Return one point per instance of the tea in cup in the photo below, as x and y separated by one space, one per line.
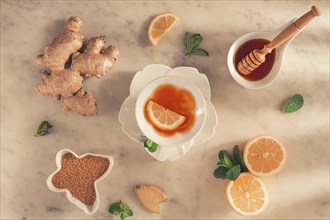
170 110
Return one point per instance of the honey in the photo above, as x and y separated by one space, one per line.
178 100
264 69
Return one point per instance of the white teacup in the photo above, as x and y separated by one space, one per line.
178 138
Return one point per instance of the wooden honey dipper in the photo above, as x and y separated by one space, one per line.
255 58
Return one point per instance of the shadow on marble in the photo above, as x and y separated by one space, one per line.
113 91
318 208
143 39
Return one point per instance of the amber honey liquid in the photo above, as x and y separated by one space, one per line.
265 68
178 100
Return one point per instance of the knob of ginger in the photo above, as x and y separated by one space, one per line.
83 103
67 83
59 50
59 83
95 61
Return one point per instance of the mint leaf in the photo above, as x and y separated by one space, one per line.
150 145
220 172
200 52
123 215
120 208
129 212
115 208
187 41
153 148
126 210
222 153
43 128
294 103
126 214
227 161
229 167
233 173
238 157
192 41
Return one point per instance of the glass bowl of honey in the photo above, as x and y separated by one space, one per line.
170 110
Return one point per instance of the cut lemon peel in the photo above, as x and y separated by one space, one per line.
160 25
163 118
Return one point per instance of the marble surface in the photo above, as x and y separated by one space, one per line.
300 191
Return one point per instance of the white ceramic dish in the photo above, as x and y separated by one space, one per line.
280 51
87 209
178 138
139 81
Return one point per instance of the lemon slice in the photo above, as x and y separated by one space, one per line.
163 118
264 156
160 25
247 195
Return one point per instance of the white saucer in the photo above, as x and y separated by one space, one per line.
140 80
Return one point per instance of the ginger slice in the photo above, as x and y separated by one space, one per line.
150 196
159 193
147 198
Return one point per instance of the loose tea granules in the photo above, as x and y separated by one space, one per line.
79 174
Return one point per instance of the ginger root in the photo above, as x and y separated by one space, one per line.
64 83
67 83
95 61
83 103
59 50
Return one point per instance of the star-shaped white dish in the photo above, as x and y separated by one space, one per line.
140 80
87 209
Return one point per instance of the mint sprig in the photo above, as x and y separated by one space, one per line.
294 103
238 157
150 145
121 209
192 41
230 167
43 128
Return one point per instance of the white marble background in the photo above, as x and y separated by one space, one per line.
300 191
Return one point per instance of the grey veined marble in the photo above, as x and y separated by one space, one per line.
300 191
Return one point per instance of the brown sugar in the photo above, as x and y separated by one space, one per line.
79 174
